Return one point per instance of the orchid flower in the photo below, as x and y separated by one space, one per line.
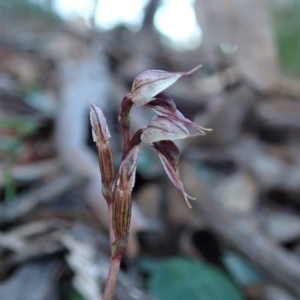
168 125
150 83
159 134
164 106
169 156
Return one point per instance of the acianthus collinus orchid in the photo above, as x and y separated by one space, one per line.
168 125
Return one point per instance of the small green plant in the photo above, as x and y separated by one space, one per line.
286 21
12 133
168 125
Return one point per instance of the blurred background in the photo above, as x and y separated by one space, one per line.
241 239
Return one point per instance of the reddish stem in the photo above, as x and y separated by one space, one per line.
112 277
111 231
126 136
116 257
125 121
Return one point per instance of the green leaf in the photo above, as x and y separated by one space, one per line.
9 145
286 22
183 278
10 188
74 295
24 126
242 271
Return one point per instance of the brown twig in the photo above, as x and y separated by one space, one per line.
44 193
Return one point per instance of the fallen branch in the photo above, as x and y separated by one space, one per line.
45 193
243 234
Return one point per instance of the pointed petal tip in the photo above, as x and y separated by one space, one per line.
191 197
94 110
206 129
99 126
187 202
93 107
193 70
186 197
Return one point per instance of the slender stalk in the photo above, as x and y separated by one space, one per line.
116 257
115 260
111 282
125 122
111 232
126 135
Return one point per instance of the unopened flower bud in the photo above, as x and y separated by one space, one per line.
100 136
100 129
121 213
150 83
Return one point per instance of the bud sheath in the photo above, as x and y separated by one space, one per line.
106 161
121 213
101 135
